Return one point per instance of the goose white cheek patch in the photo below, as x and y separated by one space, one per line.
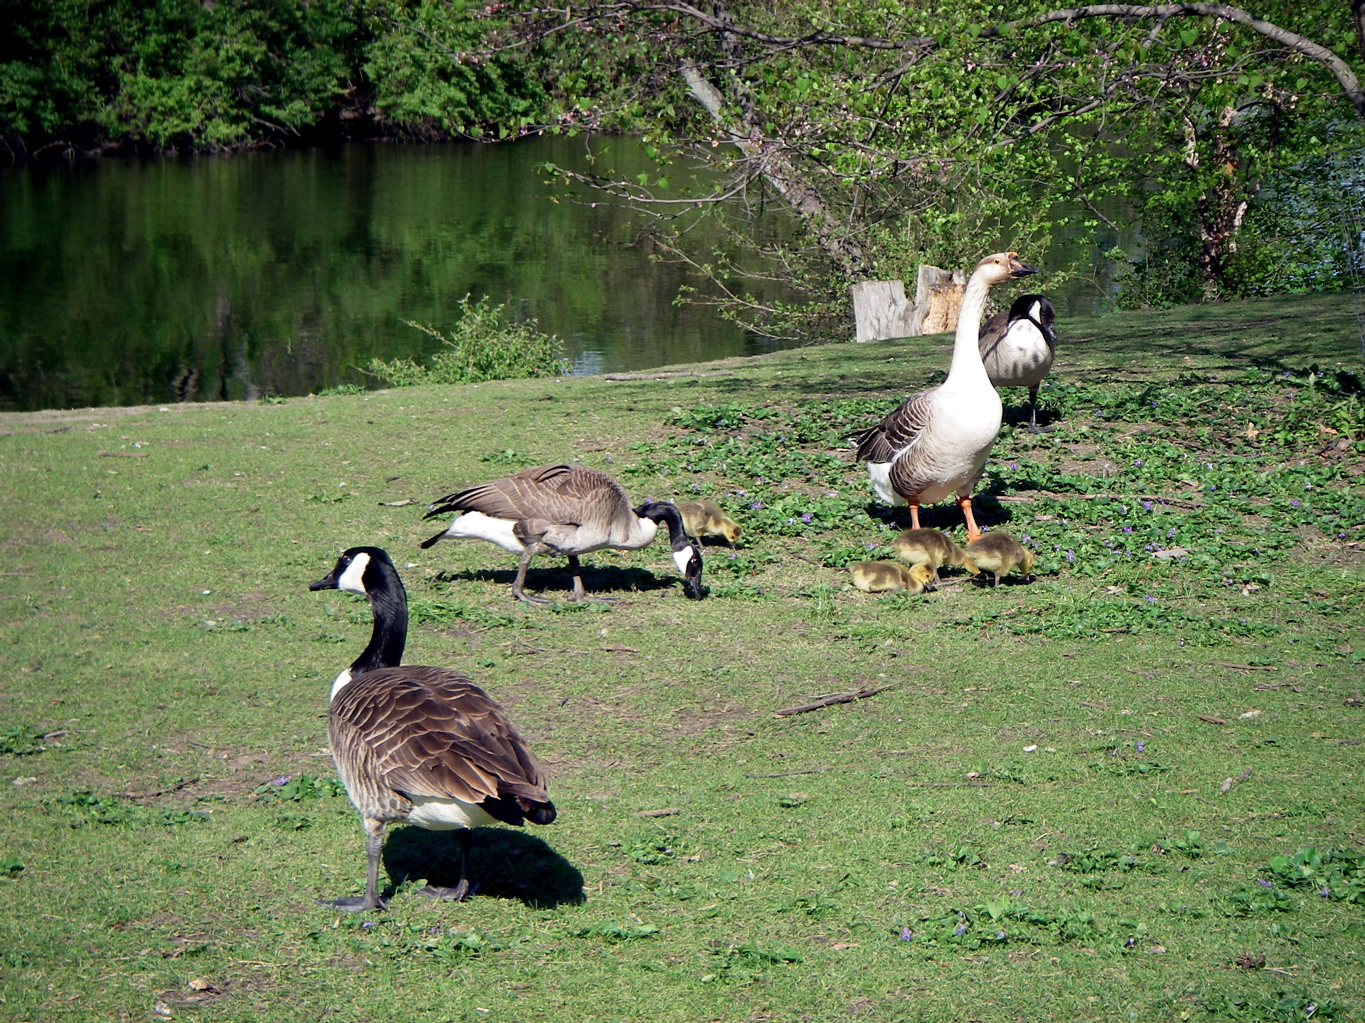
353 579
682 559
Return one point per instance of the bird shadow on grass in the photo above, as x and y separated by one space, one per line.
503 864
945 516
597 580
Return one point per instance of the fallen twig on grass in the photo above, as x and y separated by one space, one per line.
788 774
1211 719
665 376
667 811
1243 667
826 701
159 792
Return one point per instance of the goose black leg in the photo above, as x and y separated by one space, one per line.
1033 426
374 845
461 891
579 593
532 549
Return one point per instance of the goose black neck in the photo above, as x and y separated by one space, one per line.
662 511
389 606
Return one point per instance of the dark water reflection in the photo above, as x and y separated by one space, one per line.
229 278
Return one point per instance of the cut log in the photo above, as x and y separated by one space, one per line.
881 311
938 297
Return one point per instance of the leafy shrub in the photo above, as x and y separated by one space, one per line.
482 346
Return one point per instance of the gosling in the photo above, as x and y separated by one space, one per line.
928 547
704 518
888 577
999 554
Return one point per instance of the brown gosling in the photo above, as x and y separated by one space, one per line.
704 518
888 577
999 554
928 547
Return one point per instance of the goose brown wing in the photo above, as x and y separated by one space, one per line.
563 494
433 732
992 333
897 431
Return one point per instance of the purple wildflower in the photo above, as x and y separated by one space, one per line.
1264 883
1000 935
1137 461
1151 599
1307 486
906 934
806 517
1014 465
1295 503
367 925
1142 747
1127 529
1146 505
757 505
960 929
1170 533
1326 892
1070 556
282 779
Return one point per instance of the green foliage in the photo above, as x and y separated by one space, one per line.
86 807
305 786
1337 874
21 740
1279 1006
482 346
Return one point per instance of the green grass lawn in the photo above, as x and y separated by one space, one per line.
1084 797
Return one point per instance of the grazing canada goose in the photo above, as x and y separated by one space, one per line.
564 509
887 576
704 518
424 745
1017 348
928 547
936 443
998 553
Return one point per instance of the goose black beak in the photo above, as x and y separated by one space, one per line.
327 583
1018 269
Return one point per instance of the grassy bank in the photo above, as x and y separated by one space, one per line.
1069 804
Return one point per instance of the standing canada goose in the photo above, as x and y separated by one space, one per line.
887 577
928 547
424 745
998 553
936 443
564 509
704 518
1017 348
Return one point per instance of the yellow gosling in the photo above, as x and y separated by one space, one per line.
999 554
928 547
888 577
704 518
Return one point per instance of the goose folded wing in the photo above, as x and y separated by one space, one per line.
897 431
436 733
513 497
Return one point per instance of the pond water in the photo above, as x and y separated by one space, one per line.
130 282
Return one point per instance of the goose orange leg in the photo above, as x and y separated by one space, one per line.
964 501
914 514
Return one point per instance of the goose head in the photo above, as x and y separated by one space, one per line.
369 572
686 552
1001 267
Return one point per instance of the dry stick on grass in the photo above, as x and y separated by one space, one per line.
1174 502
788 774
1243 667
826 701
159 792
667 811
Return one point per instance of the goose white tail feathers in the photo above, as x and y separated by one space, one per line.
568 510
936 443
420 744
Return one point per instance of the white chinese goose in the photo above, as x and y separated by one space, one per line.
568 510
936 443
416 744
1017 348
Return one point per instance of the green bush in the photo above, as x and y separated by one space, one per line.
481 346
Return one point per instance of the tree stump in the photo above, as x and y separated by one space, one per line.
881 310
